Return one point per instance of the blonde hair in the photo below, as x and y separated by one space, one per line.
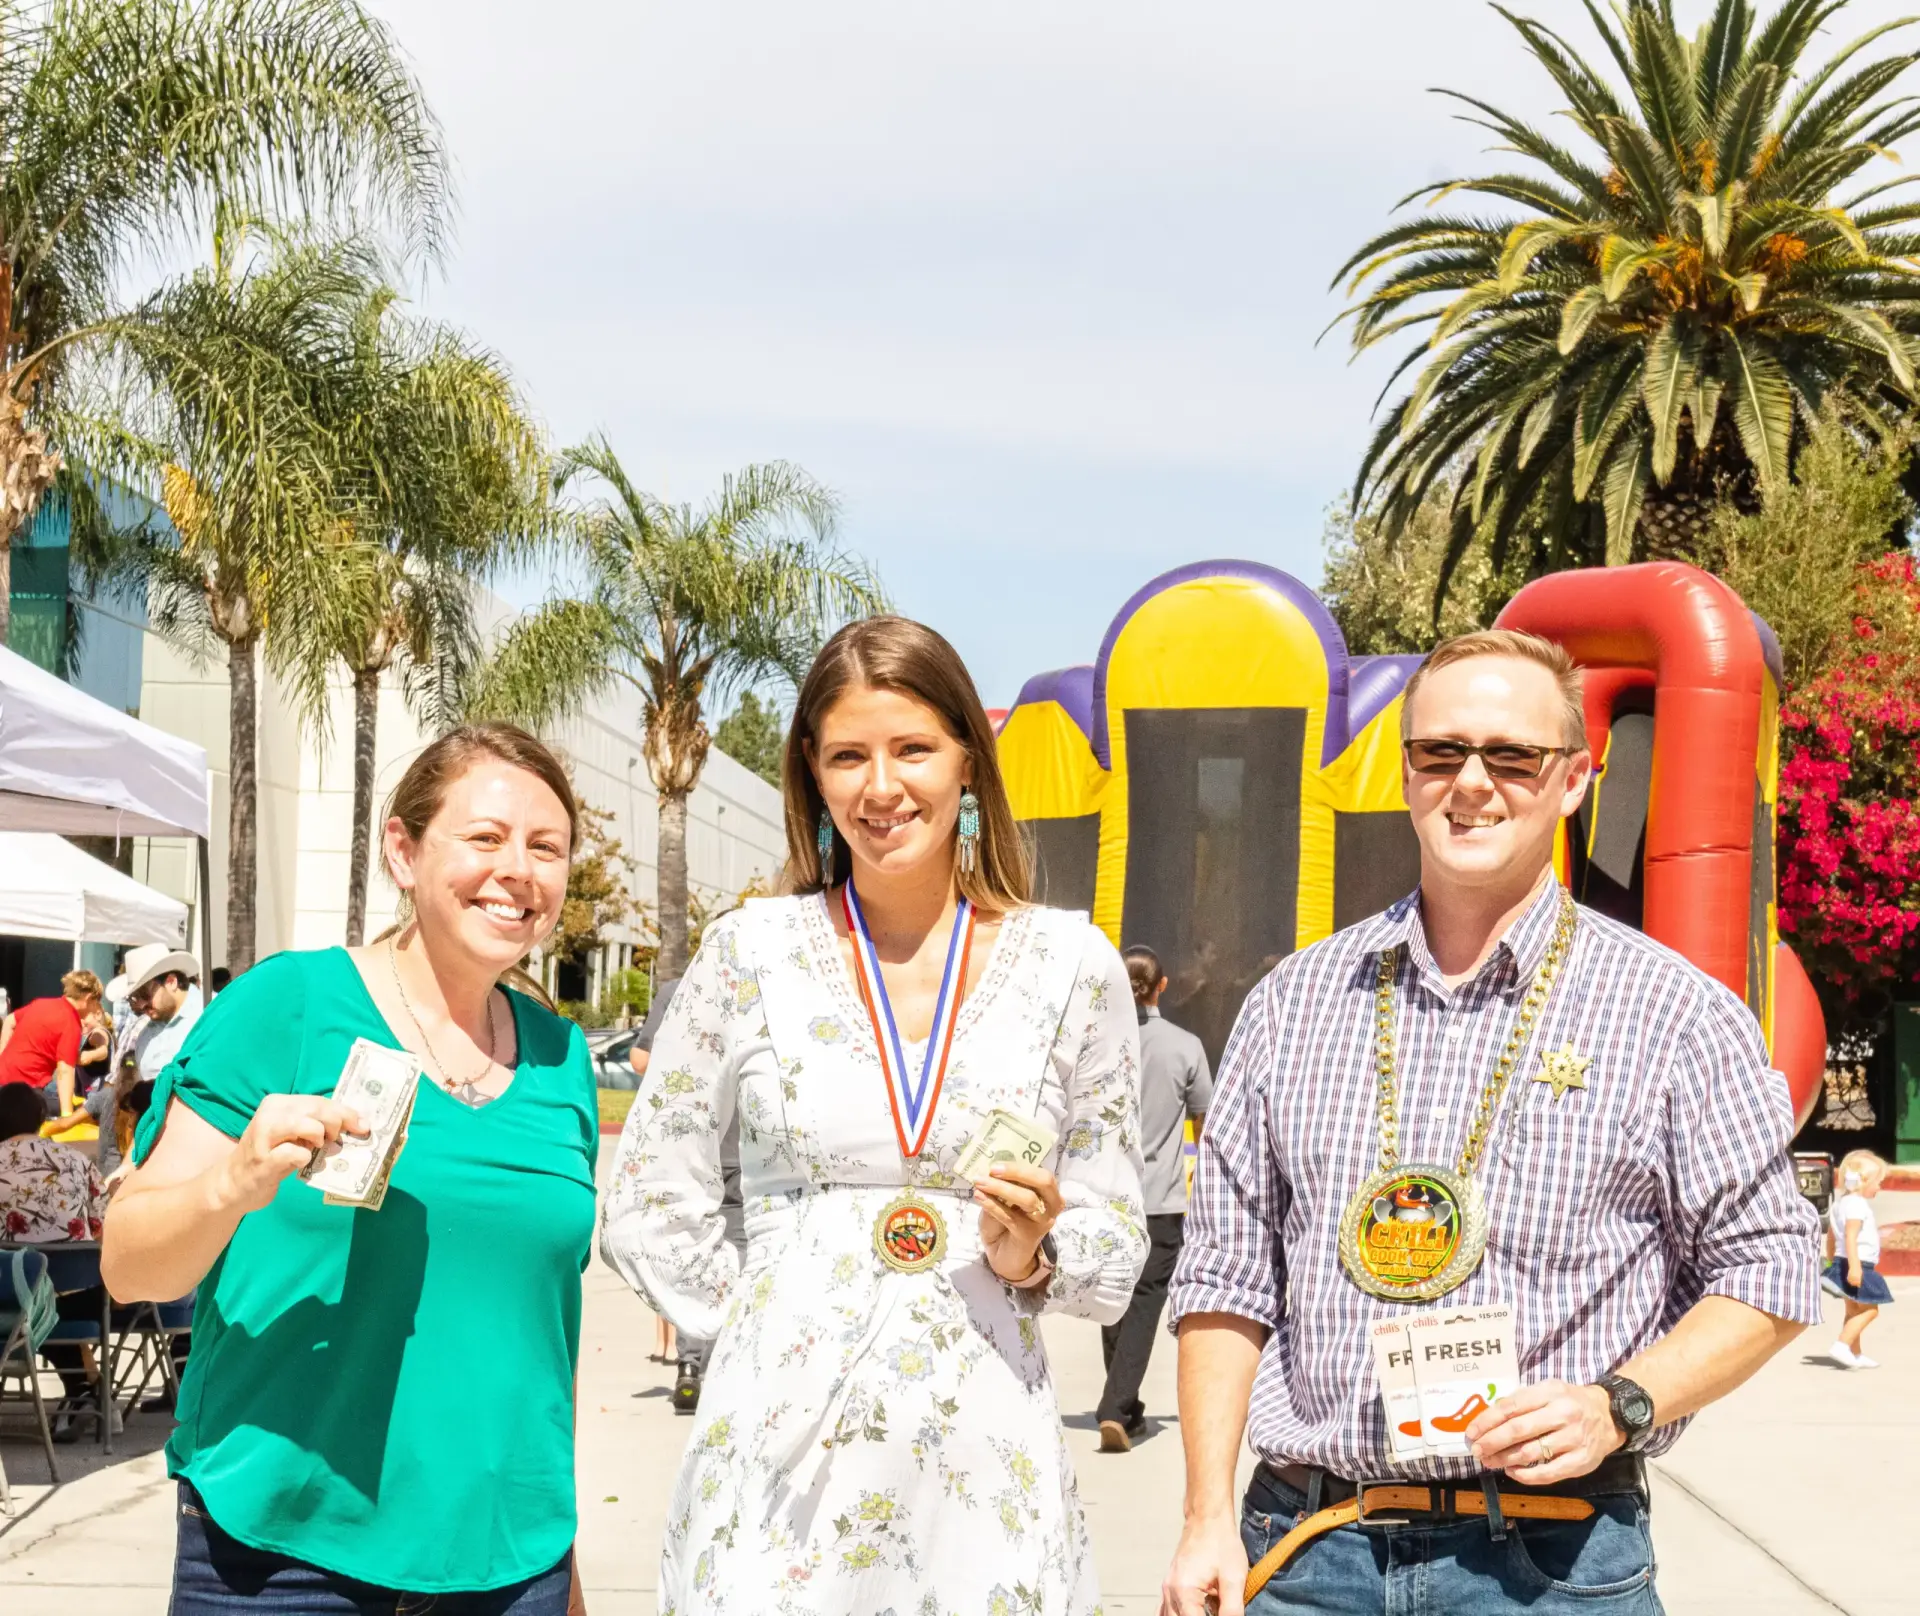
896 653
1512 642
1870 1168
81 985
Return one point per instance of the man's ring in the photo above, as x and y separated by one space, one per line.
1546 1451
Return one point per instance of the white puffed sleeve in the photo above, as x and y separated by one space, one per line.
662 1228
1102 1235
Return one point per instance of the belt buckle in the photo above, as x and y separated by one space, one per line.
1390 1518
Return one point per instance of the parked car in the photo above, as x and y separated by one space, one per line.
611 1069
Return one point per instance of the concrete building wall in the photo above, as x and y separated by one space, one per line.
734 833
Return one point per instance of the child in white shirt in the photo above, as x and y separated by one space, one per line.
1853 1243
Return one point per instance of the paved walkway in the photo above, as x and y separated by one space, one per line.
1792 1498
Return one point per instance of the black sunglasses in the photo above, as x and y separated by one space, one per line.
1503 760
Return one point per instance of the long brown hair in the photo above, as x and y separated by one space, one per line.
423 789
896 653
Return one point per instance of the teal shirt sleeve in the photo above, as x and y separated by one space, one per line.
244 1048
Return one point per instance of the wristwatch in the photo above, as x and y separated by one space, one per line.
1632 1410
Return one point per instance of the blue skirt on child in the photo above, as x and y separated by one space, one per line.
1872 1291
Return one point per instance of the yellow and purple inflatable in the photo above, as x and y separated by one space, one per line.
1223 781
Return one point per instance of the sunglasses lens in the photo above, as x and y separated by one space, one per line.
1437 757
1514 762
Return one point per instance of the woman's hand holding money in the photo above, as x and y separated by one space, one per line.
1018 1205
287 1132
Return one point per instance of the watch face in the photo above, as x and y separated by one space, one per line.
1636 1409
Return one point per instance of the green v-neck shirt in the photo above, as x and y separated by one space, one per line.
389 1395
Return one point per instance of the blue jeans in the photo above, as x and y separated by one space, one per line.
216 1575
1597 1567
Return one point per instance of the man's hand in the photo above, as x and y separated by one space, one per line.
1209 1570
1546 1433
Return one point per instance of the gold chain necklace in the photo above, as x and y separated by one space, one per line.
467 1090
1413 1233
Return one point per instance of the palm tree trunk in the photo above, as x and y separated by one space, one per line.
366 718
673 886
243 799
27 470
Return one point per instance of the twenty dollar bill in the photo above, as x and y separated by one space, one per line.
1003 1137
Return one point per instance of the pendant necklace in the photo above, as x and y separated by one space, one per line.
466 1090
1413 1233
910 1235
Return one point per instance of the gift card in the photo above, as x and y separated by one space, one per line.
1399 1395
1463 1360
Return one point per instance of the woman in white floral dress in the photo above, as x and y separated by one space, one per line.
869 1440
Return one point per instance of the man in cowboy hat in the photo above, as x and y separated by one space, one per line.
163 985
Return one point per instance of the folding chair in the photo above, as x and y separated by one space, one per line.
75 1266
26 1319
143 1337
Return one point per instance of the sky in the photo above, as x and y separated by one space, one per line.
1038 290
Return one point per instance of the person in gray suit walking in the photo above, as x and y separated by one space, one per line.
1175 1084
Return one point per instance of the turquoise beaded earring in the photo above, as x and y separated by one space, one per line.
969 832
823 839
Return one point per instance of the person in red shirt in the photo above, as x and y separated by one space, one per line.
40 1042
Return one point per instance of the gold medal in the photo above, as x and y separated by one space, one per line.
910 1236
1413 1233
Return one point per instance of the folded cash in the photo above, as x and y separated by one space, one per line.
378 1084
1003 1137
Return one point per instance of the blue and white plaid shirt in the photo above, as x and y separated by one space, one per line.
1612 1208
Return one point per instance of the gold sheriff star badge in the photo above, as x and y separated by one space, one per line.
1564 1070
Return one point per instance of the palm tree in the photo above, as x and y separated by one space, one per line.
219 378
1678 296
682 604
442 467
122 121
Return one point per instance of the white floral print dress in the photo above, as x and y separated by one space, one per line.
872 1443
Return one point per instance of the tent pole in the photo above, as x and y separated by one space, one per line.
206 918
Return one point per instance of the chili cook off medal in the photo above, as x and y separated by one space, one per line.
910 1236
1414 1232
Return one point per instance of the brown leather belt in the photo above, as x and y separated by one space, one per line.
1387 1503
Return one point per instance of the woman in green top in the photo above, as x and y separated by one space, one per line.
378 1413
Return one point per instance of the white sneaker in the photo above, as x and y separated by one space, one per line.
1841 1354
1862 1361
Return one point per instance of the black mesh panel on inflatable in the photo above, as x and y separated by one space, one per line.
1066 858
1213 852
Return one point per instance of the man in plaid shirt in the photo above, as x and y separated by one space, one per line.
1644 1221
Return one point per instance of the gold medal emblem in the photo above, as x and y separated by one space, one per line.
910 1236
1413 1233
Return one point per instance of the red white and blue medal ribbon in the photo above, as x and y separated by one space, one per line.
912 1101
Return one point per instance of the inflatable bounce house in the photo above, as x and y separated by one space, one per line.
1223 782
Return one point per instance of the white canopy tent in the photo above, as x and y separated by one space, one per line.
71 764
49 888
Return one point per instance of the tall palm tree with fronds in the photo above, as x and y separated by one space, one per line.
683 604
215 396
1655 312
444 472
124 122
